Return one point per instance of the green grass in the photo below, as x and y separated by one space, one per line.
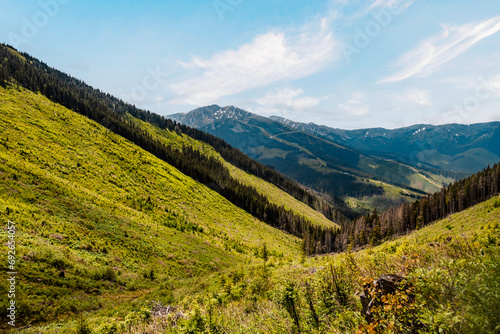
393 196
453 288
120 223
126 228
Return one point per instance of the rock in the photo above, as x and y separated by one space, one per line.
388 283
57 236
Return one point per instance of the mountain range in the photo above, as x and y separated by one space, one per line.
460 148
370 164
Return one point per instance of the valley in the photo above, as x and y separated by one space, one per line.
129 222
328 166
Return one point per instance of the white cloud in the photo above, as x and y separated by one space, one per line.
392 7
437 50
289 98
354 106
268 58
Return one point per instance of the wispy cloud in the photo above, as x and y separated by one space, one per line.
268 58
436 51
355 105
494 87
395 5
391 7
289 98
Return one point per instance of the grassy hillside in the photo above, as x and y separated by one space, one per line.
450 271
273 193
393 196
111 113
100 221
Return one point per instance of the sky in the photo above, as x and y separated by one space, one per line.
345 64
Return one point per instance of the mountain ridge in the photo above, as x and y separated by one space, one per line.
421 144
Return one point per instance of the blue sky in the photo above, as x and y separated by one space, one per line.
346 64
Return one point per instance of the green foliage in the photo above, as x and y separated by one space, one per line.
194 324
109 274
450 285
82 326
289 299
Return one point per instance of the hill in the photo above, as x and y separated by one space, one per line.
117 116
449 273
274 193
129 211
98 218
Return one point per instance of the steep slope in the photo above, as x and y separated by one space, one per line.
317 162
99 220
463 149
275 194
374 228
114 114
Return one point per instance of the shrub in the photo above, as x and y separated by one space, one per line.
195 323
82 326
109 274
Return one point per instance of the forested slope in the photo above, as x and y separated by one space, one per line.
23 70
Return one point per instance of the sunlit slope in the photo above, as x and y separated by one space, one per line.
96 215
451 266
272 192
479 220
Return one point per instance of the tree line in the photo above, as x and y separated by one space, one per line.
373 228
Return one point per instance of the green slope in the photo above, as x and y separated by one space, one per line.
272 192
393 196
452 268
100 221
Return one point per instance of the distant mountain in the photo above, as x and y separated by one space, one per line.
463 149
319 162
